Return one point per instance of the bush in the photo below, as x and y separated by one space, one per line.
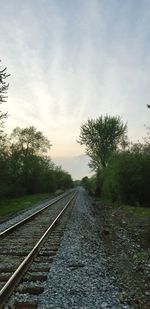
127 178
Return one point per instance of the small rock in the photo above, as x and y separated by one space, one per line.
122 297
105 232
104 305
136 301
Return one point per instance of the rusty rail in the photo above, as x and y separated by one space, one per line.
11 284
8 230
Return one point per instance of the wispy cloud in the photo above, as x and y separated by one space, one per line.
73 60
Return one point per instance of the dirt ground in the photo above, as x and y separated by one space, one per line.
126 242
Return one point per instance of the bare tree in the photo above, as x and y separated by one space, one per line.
3 90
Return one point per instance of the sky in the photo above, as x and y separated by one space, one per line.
74 60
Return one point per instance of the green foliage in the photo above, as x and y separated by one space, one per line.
63 179
102 137
127 178
141 256
136 212
4 178
25 169
77 183
125 174
85 182
29 141
89 184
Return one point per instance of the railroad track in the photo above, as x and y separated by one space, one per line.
27 250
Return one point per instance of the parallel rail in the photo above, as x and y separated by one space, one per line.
21 222
11 284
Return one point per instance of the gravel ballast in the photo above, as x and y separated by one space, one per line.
78 277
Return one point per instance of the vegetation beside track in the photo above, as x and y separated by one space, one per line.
125 233
134 219
12 205
136 212
122 177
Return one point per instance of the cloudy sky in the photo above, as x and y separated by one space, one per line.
71 60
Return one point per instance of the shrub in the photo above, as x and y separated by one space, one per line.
127 178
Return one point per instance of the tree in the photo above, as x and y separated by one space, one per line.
29 141
63 179
102 137
3 90
86 183
3 136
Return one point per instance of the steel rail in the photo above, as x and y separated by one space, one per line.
8 230
10 285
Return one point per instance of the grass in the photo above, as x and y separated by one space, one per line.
13 205
134 219
141 256
136 212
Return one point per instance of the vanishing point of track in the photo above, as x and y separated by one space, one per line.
28 248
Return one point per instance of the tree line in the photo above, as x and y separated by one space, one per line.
25 167
122 169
